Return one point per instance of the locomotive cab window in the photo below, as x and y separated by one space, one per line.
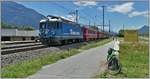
42 25
54 25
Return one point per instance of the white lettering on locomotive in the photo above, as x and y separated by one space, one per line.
74 33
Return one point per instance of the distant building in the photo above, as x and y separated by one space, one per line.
18 35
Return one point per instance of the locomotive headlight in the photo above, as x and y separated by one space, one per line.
53 33
46 31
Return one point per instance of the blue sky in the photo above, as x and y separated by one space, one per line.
132 14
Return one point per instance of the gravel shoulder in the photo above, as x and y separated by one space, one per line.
83 65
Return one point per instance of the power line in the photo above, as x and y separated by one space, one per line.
76 12
62 6
86 14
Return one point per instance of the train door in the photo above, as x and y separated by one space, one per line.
42 29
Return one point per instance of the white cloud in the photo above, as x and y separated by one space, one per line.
85 3
100 8
123 8
137 13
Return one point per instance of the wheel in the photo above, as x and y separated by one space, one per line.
114 66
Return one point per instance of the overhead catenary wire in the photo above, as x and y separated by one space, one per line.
84 17
71 11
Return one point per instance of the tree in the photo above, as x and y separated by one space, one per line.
121 33
27 28
6 26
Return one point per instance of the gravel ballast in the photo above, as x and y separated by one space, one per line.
14 58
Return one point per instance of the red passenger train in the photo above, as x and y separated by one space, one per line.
90 34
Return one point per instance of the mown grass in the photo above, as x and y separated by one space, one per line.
30 67
134 58
26 68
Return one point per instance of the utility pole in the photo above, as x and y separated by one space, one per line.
89 22
123 29
94 21
109 26
103 18
76 16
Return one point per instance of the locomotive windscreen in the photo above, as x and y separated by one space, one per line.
54 25
42 25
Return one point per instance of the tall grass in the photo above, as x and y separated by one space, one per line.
134 58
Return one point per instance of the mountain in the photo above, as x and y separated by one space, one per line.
17 14
143 30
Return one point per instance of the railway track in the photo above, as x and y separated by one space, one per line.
19 45
10 48
16 42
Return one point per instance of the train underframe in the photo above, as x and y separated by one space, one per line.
63 41
51 41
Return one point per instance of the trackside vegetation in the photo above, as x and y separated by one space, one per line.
13 26
134 58
30 67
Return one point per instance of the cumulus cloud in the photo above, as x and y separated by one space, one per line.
137 13
123 8
99 8
85 3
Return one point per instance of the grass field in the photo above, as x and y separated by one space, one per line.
134 58
27 68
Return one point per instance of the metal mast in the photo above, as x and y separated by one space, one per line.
103 18
109 26
77 16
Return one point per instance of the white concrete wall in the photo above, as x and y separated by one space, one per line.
15 32
8 32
